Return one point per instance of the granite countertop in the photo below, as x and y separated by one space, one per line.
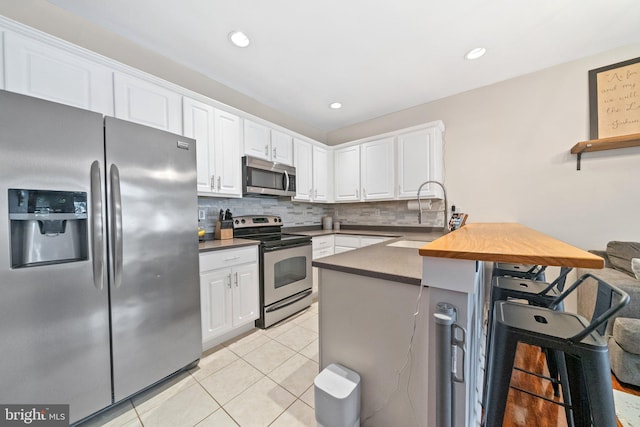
509 242
380 261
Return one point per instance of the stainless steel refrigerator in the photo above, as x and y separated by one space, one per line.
99 287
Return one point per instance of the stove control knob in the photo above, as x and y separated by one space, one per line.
243 221
237 222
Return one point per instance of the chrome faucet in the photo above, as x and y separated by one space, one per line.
444 191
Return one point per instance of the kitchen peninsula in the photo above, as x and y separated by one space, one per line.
383 328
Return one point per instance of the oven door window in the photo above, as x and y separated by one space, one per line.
290 270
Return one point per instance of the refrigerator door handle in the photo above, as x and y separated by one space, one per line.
97 246
116 226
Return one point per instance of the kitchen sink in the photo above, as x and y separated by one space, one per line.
412 244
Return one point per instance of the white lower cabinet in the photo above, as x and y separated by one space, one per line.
322 246
229 294
349 242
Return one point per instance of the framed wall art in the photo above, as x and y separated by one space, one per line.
614 99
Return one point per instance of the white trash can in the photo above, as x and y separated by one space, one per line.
337 397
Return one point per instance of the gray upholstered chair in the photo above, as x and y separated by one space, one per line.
623 329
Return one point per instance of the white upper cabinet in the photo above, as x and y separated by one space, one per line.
322 176
147 103
43 71
217 135
281 147
420 158
1 59
257 140
312 171
346 163
303 161
377 169
199 125
265 143
228 161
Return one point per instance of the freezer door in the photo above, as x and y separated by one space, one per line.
155 296
54 320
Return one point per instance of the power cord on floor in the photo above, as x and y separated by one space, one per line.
406 362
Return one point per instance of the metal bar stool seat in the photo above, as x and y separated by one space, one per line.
523 271
590 394
535 292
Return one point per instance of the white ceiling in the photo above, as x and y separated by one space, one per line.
376 57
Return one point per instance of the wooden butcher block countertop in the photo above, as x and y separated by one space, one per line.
509 242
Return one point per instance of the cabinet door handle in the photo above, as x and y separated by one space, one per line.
357 194
364 193
316 194
229 280
275 152
236 281
231 259
219 185
213 182
266 150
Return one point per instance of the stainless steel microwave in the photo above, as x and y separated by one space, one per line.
262 177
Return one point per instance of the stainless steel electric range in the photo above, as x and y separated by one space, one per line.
285 267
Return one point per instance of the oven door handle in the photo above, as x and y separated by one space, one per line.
288 301
283 247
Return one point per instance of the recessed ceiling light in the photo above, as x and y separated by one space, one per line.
239 38
335 105
475 53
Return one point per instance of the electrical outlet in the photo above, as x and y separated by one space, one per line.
202 214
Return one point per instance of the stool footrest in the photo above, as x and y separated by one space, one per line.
544 377
563 404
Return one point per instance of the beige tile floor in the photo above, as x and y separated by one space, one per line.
264 378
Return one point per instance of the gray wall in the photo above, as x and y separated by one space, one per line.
507 155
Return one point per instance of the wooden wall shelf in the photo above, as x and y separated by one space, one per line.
610 143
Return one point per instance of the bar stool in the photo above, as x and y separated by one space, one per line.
534 292
590 395
523 271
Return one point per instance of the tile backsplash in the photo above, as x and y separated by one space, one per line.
394 213
293 214
296 214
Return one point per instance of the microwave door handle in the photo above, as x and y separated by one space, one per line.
116 226
97 243
286 180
